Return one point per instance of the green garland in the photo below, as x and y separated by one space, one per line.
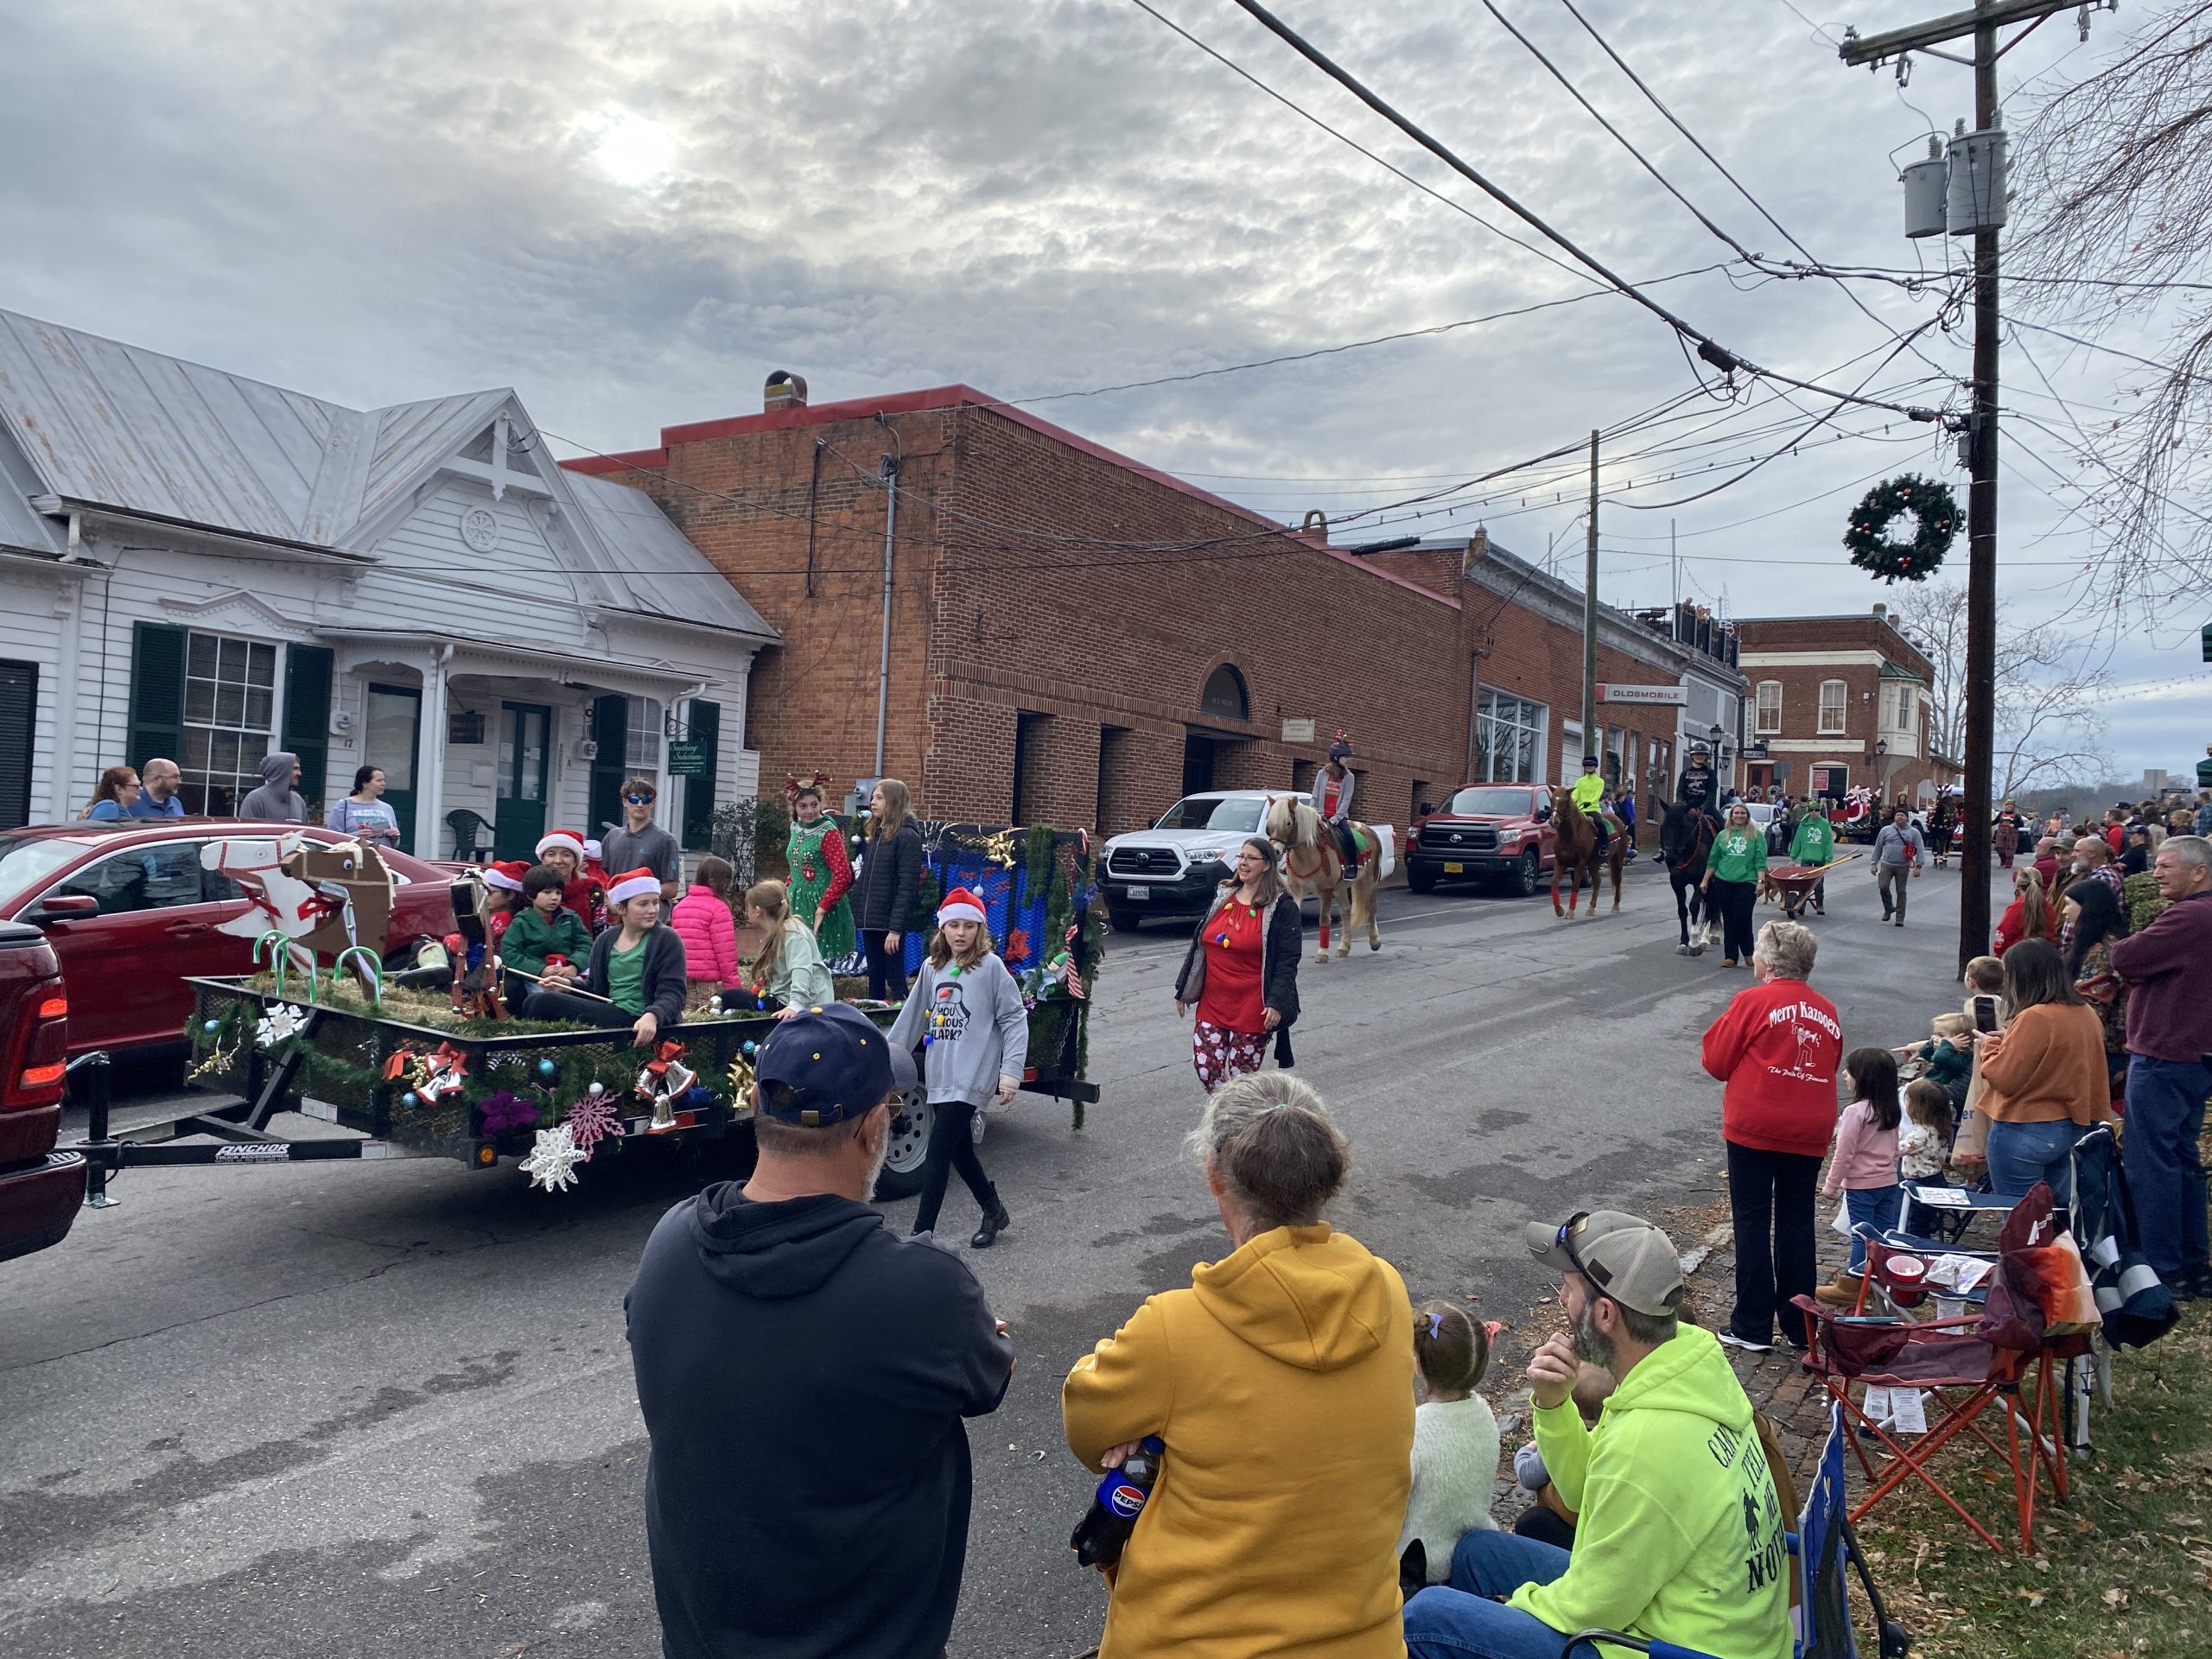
1934 508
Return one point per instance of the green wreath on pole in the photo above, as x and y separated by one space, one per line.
1934 510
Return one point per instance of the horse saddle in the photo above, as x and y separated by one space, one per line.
1363 843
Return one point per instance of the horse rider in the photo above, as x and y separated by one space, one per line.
1588 796
1332 799
1701 788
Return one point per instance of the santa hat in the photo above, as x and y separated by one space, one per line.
594 851
506 875
961 906
561 841
633 884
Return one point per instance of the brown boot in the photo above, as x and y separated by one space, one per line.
1841 1292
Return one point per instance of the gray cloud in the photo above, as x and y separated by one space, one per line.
380 201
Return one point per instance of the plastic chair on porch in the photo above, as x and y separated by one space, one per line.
1822 1544
472 836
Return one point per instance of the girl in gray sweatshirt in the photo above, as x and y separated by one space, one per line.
967 1012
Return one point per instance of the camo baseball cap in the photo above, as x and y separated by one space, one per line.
1625 1256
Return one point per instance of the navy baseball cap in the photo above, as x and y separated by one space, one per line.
838 1063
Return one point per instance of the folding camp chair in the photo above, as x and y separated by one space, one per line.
1966 1364
1821 1544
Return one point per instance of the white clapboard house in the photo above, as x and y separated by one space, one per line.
198 566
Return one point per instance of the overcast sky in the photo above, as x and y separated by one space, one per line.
632 214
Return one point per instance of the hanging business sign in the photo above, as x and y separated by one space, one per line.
687 757
1654 696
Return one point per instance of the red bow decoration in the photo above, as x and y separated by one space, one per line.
667 1052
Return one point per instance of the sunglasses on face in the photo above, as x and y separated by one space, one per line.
639 800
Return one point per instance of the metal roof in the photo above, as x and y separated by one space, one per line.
116 426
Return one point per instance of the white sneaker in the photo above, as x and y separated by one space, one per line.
1730 1339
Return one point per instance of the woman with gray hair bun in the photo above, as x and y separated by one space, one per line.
1776 1046
1281 1385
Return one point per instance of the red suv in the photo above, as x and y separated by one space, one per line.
129 912
1486 832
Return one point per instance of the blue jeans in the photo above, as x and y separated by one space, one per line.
2165 1114
1461 1621
2020 1154
1870 1206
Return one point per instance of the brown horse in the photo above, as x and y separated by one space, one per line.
1312 864
1577 853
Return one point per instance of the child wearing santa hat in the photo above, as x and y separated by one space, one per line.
567 851
637 965
968 1013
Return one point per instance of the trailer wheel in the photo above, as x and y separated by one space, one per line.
909 1146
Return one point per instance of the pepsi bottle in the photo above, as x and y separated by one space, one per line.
1099 1536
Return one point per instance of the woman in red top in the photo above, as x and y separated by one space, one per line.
1776 1046
2029 915
1241 971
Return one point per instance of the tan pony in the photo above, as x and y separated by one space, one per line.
1576 854
1312 864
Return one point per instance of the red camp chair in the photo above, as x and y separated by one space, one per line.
1966 1365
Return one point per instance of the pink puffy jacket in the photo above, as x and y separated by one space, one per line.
703 922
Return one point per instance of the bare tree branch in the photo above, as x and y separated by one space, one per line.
2114 179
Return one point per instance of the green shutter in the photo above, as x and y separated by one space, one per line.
610 729
307 717
156 693
706 728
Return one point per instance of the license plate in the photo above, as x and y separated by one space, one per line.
1455 869
1139 892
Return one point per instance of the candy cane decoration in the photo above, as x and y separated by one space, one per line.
370 969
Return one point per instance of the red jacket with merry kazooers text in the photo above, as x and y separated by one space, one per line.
1777 1046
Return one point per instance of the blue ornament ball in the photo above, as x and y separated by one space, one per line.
410 1099
751 1049
546 1068
212 1027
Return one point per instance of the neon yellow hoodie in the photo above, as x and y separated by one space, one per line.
1681 1534
1589 788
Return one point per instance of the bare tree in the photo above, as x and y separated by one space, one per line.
2049 732
2115 196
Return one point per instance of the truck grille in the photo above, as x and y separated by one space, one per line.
1143 860
1474 838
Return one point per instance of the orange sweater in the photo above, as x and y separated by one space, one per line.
2048 1065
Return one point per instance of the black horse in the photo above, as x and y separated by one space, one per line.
1685 837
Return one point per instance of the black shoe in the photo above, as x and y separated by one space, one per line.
994 1218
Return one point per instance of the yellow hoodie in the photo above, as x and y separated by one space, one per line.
1282 1384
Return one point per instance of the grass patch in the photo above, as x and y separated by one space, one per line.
2123 1568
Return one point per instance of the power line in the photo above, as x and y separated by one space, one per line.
1708 349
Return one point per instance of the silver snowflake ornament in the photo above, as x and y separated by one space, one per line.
278 1024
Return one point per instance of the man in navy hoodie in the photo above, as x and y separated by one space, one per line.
803 1371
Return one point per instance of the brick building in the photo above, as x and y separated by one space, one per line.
1075 638
1841 702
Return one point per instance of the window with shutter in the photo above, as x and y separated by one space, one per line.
706 727
18 735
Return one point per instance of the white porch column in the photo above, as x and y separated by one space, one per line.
430 759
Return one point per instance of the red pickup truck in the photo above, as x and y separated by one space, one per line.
1486 832
39 1188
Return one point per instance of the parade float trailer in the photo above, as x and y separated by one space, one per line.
413 1071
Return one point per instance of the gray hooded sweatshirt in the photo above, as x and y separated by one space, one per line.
275 800
978 1028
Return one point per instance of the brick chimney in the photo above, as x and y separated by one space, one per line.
783 390
1881 610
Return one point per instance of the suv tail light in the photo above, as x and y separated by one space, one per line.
38 1049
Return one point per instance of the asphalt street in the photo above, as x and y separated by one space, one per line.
324 1409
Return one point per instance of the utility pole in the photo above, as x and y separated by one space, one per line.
1982 23
1590 735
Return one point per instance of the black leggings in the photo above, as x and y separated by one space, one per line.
952 1145
886 968
585 1010
1733 901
